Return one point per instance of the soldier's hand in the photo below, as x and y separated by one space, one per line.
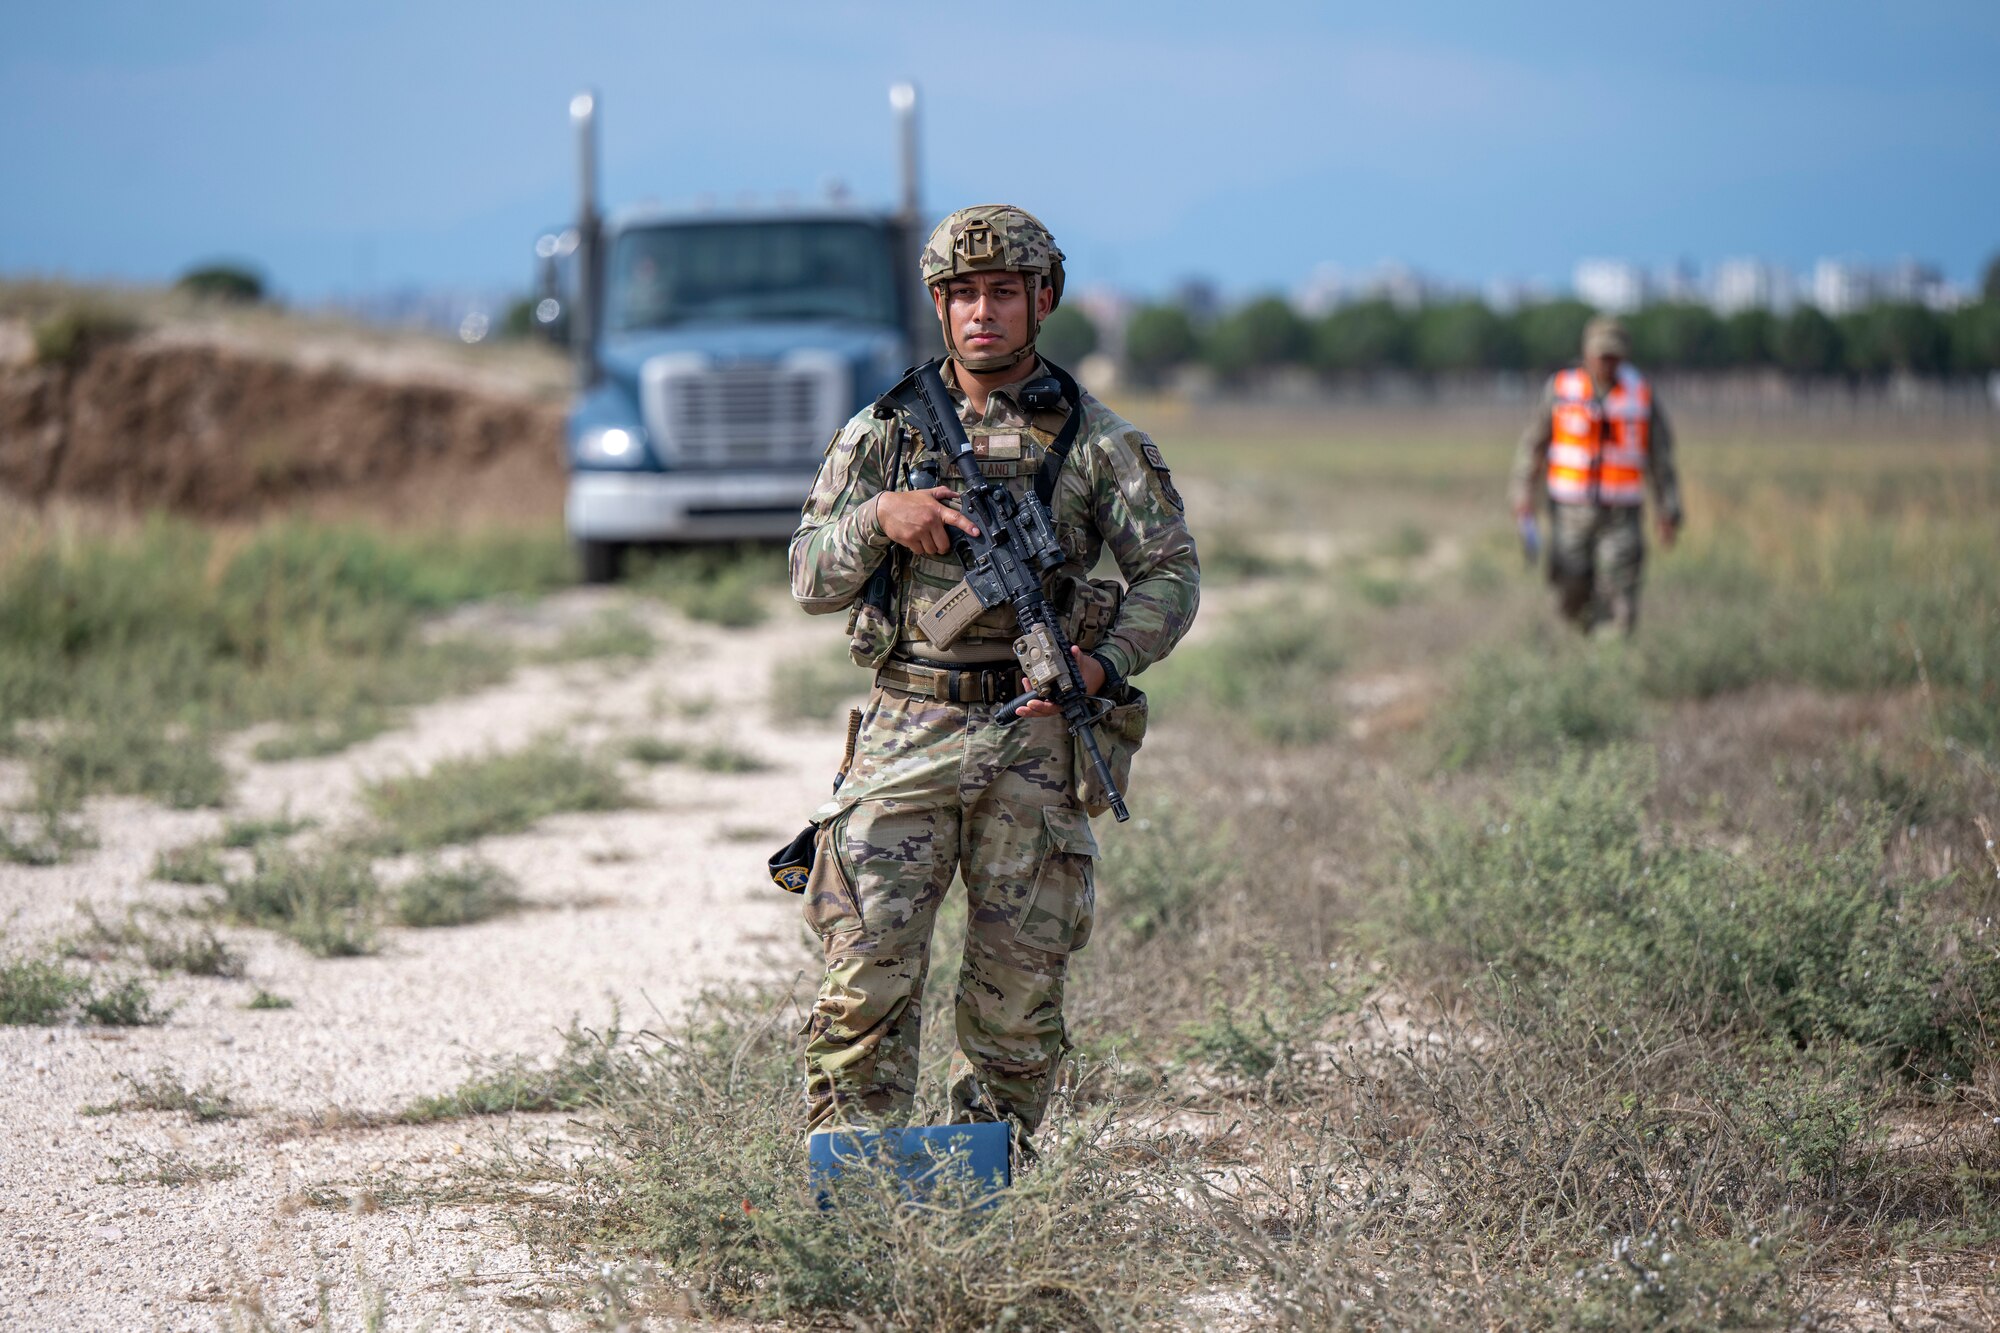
1093 681
917 519
1670 531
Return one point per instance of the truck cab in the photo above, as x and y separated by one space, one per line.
716 355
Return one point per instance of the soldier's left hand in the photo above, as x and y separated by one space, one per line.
1093 681
1670 530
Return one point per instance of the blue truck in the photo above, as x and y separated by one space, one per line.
717 353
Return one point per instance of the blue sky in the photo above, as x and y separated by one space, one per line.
382 143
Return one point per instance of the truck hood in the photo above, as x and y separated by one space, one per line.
859 344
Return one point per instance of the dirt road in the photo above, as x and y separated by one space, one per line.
631 913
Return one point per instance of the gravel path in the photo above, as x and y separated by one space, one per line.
631 912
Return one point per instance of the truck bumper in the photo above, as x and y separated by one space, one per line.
685 506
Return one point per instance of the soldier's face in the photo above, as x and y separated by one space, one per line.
988 312
1604 367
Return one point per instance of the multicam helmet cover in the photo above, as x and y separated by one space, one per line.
994 238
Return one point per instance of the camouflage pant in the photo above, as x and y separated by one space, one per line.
937 789
1597 554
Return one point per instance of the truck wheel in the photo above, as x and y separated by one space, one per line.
602 562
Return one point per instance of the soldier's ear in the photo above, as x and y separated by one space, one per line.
1045 301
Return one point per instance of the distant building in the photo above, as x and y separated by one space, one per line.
1917 283
1676 282
1749 284
1610 284
1400 285
1324 291
1840 287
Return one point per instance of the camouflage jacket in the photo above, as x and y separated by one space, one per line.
1115 490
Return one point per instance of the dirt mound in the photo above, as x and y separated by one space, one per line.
219 432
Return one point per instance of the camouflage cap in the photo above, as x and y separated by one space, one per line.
989 238
1606 336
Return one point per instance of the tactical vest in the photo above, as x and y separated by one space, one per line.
1011 455
1597 448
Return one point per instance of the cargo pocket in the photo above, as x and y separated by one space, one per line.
831 907
1120 733
1064 902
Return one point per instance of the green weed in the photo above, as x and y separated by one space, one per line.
1569 890
35 993
197 954
577 1078
702 1169
1158 872
247 833
455 895
722 586
165 1091
171 1168
461 800
194 863
126 1004
1514 705
326 901
54 838
264 999
612 633
1274 671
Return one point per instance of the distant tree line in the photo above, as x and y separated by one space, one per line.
1457 337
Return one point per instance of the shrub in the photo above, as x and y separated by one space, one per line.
455 895
1274 671
36 993
577 1078
325 900
702 1169
460 800
1568 890
1520 703
74 332
233 283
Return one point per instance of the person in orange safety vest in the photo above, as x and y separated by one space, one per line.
1599 442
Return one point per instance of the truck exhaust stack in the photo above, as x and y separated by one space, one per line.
589 229
903 98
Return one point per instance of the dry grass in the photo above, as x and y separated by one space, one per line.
1659 1004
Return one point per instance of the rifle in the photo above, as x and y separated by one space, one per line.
1006 562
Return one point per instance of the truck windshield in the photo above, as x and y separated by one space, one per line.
690 271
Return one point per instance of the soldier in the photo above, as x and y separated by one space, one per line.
1598 441
937 785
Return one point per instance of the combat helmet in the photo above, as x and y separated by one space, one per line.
994 238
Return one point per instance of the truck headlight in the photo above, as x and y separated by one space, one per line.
609 446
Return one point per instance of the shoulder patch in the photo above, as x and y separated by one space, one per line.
1151 453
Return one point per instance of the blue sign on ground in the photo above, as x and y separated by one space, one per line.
925 1156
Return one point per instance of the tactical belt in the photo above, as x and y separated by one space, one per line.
959 685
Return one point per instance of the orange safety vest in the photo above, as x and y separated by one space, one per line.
1597 448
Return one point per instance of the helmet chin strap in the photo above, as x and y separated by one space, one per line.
986 365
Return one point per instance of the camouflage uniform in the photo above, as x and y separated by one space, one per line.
1597 552
939 787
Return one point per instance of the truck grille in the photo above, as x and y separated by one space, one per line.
751 415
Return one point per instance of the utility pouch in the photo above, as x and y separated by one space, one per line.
1089 606
871 633
1120 733
791 866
